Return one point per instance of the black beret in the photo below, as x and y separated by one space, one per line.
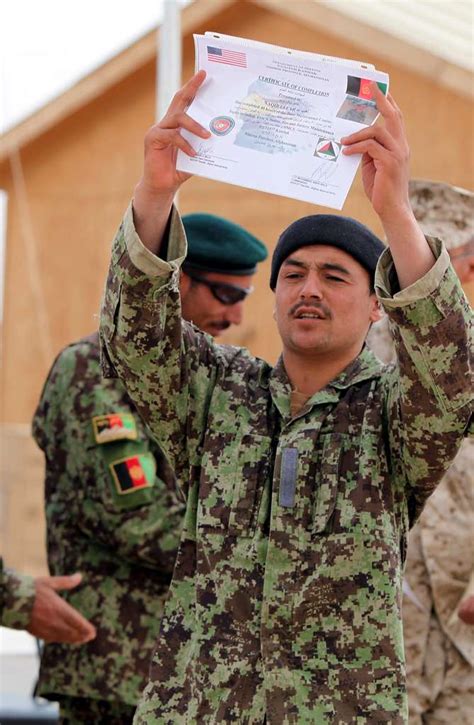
336 231
219 245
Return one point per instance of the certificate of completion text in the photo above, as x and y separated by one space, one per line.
276 118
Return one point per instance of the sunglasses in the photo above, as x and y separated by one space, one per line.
227 294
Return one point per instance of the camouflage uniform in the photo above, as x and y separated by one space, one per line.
439 648
17 596
285 600
112 518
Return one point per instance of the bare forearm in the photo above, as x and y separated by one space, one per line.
411 253
151 213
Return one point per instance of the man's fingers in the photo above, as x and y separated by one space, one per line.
183 98
173 138
369 146
69 623
378 133
182 120
390 112
75 622
61 582
393 103
53 619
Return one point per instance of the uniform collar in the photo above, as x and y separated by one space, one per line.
363 367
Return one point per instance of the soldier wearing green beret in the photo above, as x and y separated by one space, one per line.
302 478
111 505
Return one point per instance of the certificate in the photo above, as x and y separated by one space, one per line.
276 117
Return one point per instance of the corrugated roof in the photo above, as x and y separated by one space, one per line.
442 27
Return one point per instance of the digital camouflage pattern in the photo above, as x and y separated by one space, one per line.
285 600
439 648
17 596
84 711
121 537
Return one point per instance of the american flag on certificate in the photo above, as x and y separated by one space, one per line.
228 57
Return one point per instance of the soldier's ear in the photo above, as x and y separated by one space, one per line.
377 311
185 283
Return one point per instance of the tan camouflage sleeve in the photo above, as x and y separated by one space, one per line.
416 609
429 393
141 324
17 596
469 591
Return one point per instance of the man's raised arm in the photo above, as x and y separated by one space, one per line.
385 174
429 398
160 181
141 328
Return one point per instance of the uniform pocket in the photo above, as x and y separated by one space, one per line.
253 461
328 458
232 479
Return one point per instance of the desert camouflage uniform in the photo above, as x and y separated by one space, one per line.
439 648
121 536
17 596
285 600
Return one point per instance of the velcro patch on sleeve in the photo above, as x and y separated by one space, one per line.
134 473
114 427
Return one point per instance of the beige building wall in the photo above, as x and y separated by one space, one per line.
78 179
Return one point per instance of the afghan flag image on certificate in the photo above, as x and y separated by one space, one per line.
359 104
362 87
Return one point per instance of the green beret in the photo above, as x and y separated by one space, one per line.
219 245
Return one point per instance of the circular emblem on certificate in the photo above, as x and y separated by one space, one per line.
327 149
222 125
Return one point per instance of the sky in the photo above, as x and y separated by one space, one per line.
46 45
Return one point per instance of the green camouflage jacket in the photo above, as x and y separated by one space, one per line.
17 596
285 600
108 516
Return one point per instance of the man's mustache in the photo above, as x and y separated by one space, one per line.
320 307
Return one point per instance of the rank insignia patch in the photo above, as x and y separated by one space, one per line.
114 427
134 473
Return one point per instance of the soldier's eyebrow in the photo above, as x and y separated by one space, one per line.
292 262
335 268
327 266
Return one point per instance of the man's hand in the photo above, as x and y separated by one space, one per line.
53 619
385 160
466 610
385 174
160 181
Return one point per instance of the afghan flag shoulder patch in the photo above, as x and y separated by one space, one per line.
114 427
134 473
